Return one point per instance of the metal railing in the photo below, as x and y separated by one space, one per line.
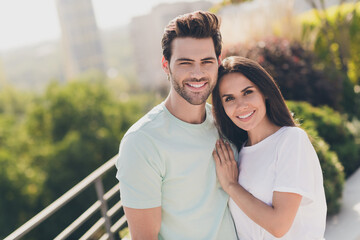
101 204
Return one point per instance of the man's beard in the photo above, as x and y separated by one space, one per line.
194 98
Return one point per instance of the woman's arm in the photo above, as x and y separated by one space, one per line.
276 219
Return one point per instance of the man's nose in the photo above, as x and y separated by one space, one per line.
197 71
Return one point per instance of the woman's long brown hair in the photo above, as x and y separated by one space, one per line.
276 108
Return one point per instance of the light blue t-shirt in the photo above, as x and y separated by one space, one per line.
166 162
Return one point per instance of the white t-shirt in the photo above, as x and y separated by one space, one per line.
285 162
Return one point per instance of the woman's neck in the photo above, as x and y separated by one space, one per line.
262 131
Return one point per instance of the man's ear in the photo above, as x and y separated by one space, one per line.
165 65
219 60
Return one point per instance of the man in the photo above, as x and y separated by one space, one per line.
167 175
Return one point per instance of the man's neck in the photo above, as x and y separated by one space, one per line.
181 109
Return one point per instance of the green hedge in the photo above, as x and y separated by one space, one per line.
333 173
333 128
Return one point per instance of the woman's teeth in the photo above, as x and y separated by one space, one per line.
246 116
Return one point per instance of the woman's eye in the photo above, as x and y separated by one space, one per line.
247 92
227 99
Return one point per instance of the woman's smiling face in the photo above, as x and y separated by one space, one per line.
243 102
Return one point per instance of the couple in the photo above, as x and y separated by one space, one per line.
176 173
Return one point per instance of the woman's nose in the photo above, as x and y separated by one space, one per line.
241 104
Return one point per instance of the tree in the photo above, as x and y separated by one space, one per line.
50 143
333 34
20 181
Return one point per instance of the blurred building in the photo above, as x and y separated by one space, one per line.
146 34
256 20
81 41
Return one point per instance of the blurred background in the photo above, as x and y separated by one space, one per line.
76 74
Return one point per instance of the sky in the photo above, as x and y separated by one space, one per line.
24 22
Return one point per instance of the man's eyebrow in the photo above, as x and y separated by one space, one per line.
192 60
208 58
184 59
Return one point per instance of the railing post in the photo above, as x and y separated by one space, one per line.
104 208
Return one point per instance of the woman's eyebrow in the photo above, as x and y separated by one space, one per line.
226 95
229 95
246 88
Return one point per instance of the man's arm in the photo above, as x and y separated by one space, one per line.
144 224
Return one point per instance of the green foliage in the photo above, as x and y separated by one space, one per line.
320 132
293 68
13 102
20 182
49 143
333 174
333 34
79 127
125 233
333 128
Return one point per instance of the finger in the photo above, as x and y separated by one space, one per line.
225 150
220 152
230 150
216 158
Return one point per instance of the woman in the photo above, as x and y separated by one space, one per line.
277 189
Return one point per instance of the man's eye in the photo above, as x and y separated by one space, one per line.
208 62
184 63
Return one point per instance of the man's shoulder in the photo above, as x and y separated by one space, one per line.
150 121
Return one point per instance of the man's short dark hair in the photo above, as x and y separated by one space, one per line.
197 24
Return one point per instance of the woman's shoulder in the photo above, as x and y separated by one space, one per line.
294 139
292 132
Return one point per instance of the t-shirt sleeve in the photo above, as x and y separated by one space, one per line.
139 171
297 165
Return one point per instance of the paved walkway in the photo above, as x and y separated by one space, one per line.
346 224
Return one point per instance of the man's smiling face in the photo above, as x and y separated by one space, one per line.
193 68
